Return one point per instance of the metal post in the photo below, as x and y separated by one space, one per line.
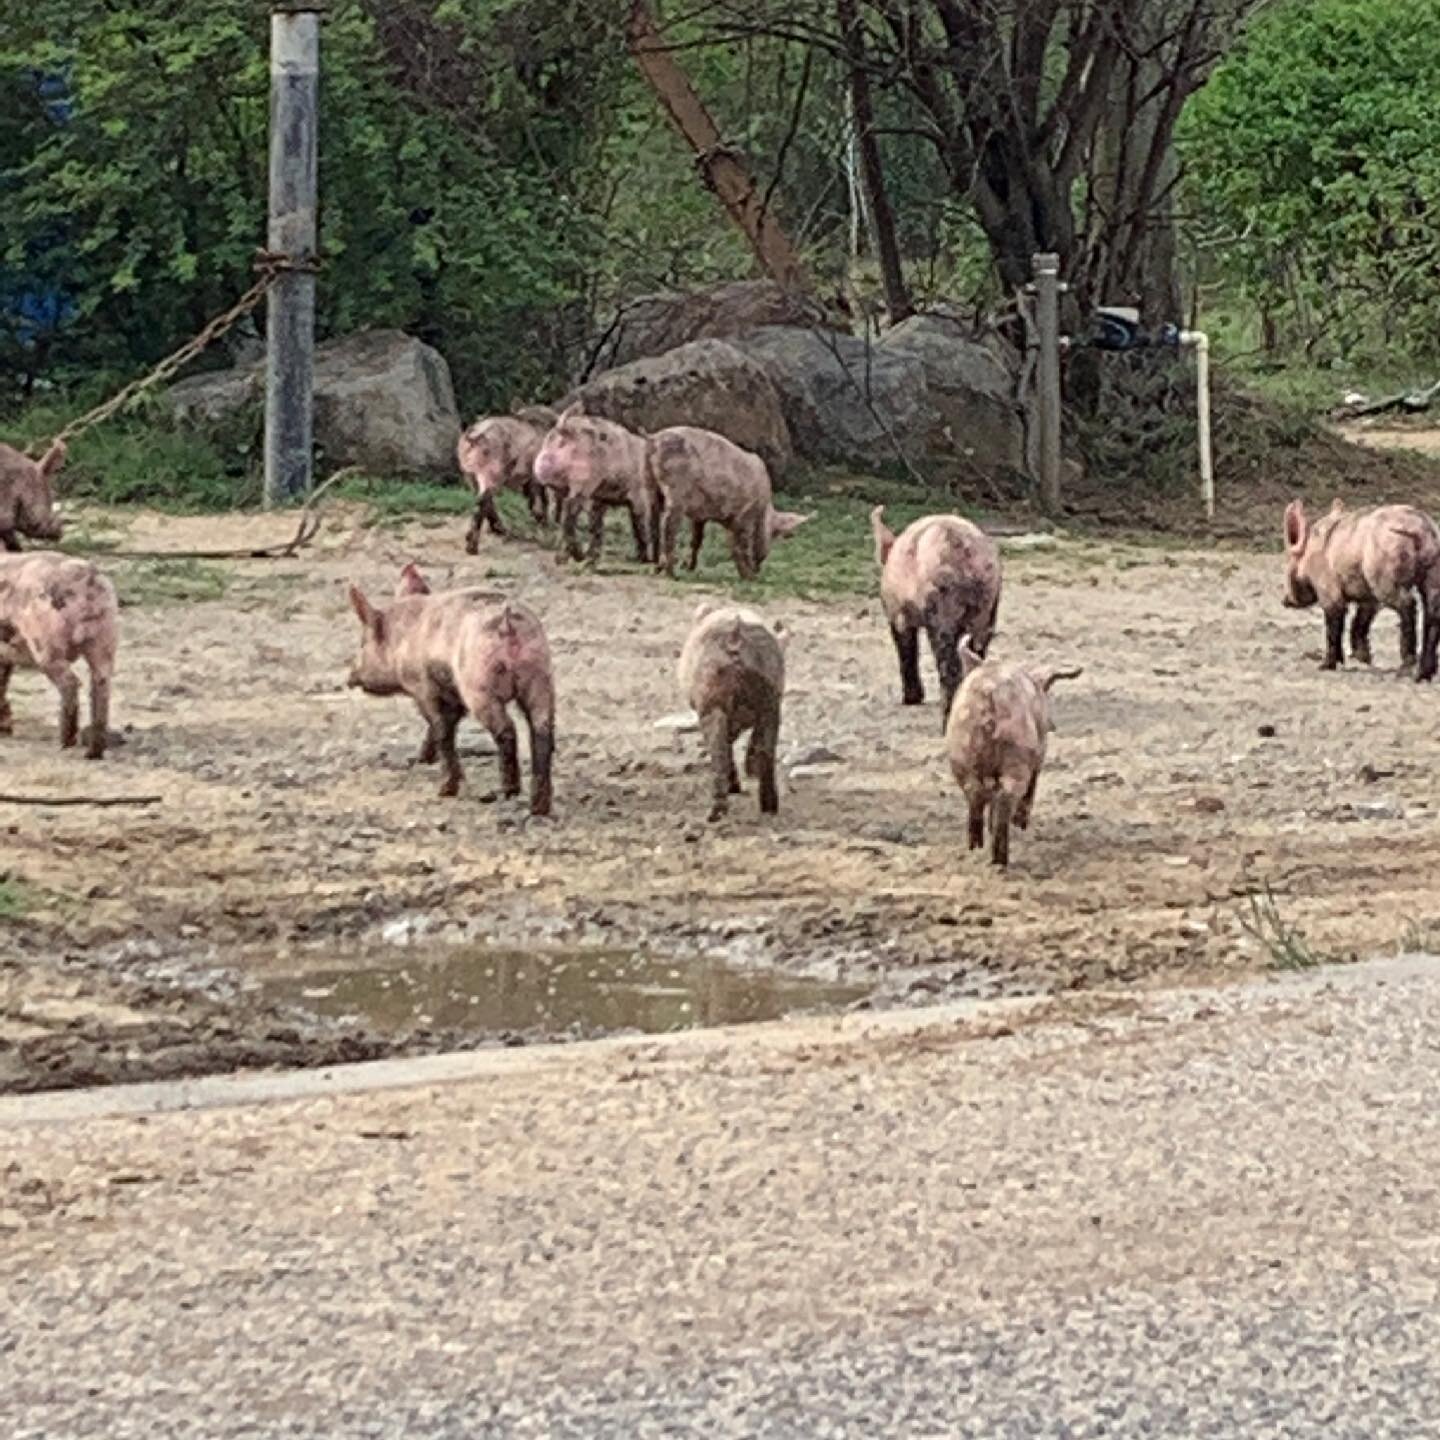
290 305
1046 269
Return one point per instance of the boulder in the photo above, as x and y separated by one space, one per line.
383 400
652 324
708 383
970 392
845 400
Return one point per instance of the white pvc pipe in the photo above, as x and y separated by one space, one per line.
1200 343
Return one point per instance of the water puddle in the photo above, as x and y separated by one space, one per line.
481 989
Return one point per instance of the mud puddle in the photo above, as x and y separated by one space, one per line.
476 989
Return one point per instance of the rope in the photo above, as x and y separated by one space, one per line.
269 265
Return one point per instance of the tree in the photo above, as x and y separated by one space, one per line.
1314 165
1054 119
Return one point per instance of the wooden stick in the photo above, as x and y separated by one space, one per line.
81 799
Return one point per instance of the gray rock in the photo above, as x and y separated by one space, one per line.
654 324
845 400
383 400
708 383
970 391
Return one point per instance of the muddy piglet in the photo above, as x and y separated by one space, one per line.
942 576
704 478
732 671
55 610
27 495
459 652
599 463
1367 558
498 453
995 740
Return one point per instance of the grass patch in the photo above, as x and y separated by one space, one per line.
394 501
1284 943
16 898
171 582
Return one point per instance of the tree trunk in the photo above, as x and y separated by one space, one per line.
872 174
723 169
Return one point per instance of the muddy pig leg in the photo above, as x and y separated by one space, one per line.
907 647
945 646
598 511
1407 613
669 533
1027 803
99 731
1430 642
541 724
976 801
697 539
63 679
496 719
7 719
644 524
1360 623
760 759
9 540
472 533
443 726
429 746
570 527
1001 809
491 514
1334 635
715 726
539 510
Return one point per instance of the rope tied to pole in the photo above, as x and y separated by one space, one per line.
270 266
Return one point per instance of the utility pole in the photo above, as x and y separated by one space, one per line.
1046 270
290 305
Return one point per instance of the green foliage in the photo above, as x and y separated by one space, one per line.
170 582
1315 151
452 136
16 898
1284 943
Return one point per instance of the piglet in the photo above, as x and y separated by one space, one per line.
27 496
995 739
1367 558
459 651
498 453
732 670
942 575
705 478
55 610
598 463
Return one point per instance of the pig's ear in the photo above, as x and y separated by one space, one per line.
412 582
786 522
884 535
1047 677
1337 506
367 613
1297 528
571 412
704 608
53 458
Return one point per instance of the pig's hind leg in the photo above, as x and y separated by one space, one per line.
945 646
539 711
715 726
1027 803
1001 811
760 760
101 665
1334 637
7 719
1363 619
62 677
429 746
697 539
1407 611
907 648
493 715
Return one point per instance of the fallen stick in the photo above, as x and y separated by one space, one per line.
80 799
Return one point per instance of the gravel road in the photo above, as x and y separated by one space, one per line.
1204 1213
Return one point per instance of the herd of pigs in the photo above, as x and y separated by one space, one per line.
473 651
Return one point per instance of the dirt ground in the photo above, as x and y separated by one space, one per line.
1201 754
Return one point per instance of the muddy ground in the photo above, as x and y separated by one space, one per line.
1202 755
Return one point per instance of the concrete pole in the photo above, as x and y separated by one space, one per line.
290 305
1046 270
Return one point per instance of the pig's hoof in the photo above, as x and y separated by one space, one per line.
717 812
913 697
7 726
472 544
449 789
